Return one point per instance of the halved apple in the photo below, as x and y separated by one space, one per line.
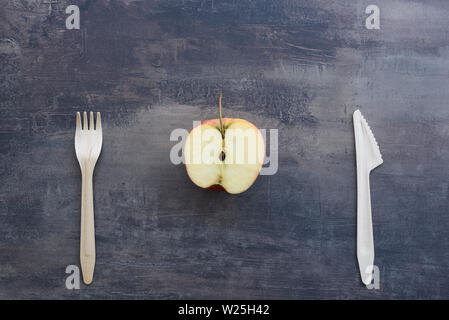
224 153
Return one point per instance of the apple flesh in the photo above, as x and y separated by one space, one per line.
224 155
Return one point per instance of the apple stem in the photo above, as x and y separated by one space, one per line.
219 111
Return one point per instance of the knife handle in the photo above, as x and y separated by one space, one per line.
365 241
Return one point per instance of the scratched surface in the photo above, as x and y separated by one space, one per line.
302 67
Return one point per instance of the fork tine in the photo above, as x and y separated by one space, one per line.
98 121
91 122
78 121
85 127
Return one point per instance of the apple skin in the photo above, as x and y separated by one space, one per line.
226 123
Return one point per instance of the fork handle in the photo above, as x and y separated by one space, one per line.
87 243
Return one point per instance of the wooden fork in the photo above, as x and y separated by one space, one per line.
88 141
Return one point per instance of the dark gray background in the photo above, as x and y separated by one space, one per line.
152 66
